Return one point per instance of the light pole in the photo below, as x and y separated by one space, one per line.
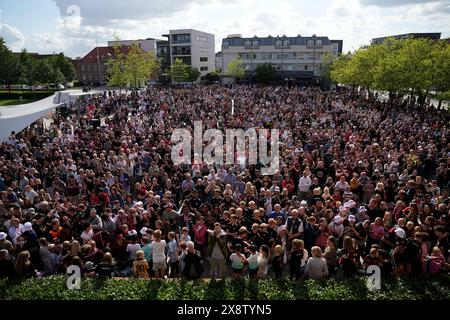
98 62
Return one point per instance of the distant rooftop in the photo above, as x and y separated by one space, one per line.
415 35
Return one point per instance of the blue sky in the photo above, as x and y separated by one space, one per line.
74 26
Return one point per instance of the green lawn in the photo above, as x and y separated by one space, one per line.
13 102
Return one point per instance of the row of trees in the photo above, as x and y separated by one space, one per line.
415 67
181 72
24 69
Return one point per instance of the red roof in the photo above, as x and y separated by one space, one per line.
103 53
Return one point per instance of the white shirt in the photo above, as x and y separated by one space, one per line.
132 248
304 184
158 249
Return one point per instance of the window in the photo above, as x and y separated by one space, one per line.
286 44
203 59
278 44
82 67
179 50
319 43
247 44
202 39
306 67
256 44
181 38
203 49
226 45
203 68
310 43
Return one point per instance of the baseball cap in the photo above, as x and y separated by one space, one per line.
400 233
362 209
144 230
27 226
2 236
351 218
303 203
337 219
276 189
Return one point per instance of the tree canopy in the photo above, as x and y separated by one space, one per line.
405 66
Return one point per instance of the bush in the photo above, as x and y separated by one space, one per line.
15 95
54 288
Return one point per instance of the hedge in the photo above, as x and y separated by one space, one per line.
54 288
15 95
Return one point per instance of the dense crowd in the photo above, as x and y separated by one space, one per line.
361 182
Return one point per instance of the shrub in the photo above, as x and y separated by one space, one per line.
54 288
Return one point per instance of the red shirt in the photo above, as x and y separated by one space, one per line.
200 233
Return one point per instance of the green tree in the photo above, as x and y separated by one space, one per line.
325 71
42 71
265 73
66 67
192 74
9 66
139 65
441 71
212 76
56 76
27 66
178 71
235 68
116 68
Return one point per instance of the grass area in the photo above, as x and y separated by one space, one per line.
13 102
54 288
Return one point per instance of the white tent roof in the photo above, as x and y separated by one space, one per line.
18 117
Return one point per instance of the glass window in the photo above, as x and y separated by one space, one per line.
203 59
256 44
310 43
278 44
203 49
202 39
286 43
203 68
226 44
247 44
319 42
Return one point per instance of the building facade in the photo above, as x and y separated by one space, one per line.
147 45
429 35
297 57
219 61
92 68
195 48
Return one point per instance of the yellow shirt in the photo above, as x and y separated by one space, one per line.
140 269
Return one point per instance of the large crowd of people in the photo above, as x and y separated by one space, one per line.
361 183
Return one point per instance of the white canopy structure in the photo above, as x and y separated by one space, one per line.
18 117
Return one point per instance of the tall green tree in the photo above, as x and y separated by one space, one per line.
178 71
116 68
441 71
43 71
235 68
66 67
139 65
9 66
27 65
192 74
265 73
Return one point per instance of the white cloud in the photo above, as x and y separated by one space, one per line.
13 37
394 3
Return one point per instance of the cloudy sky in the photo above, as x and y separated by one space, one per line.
74 26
